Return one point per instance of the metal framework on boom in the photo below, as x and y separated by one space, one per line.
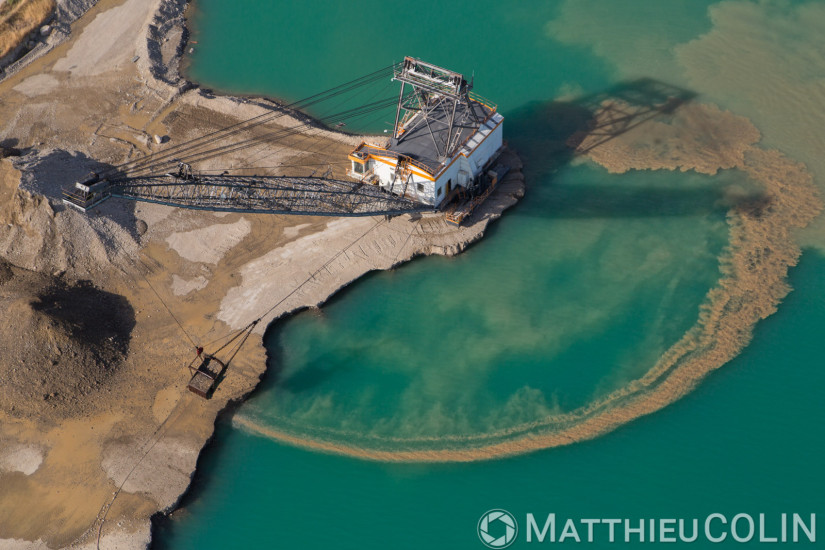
147 178
440 97
258 194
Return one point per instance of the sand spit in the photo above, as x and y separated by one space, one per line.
96 452
754 267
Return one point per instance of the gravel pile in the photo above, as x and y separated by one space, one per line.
38 232
60 342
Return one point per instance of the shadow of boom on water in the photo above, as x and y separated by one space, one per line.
548 134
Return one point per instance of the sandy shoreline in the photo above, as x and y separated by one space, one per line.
132 431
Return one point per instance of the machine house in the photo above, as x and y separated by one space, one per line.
442 143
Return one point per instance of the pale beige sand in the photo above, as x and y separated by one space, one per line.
37 85
209 244
182 287
18 457
99 48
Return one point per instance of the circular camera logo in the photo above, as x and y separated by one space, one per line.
497 529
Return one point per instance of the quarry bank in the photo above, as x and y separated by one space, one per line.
95 452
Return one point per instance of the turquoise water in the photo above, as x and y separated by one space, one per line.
575 292
504 334
748 440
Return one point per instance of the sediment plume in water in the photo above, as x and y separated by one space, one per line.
754 267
